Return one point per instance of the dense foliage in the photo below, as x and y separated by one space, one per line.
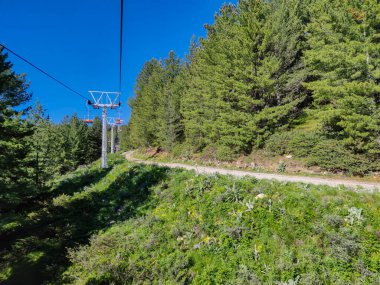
148 224
14 133
219 230
296 77
156 118
307 67
62 147
74 206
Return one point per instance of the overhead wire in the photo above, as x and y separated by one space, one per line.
121 52
64 84
44 72
121 43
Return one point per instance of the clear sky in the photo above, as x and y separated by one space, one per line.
77 41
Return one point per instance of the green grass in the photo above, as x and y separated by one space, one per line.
215 230
134 224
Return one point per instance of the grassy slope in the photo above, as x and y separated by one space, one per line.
155 225
34 242
213 230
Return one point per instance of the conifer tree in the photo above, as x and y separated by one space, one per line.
276 39
266 67
124 138
215 106
44 151
168 109
148 89
15 181
94 141
344 61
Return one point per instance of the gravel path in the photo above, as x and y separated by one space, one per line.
352 184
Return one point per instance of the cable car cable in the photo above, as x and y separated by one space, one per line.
121 43
45 73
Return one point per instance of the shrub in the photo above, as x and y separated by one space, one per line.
302 142
333 156
278 143
297 142
329 154
281 167
225 153
183 151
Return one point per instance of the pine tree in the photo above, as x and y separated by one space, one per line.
44 149
148 90
15 181
124 138
75 143
94 141
277 38
216 102
344 59
77 134
168 109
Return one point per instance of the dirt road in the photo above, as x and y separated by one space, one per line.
356 185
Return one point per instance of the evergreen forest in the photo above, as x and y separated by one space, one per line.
297 77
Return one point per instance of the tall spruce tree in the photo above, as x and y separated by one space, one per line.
277 38
168 109
44 151
148 90
94 141
344 59
15 181
216 104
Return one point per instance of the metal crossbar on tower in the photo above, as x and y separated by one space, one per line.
104 100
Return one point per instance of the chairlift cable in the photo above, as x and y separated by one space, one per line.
44 72
121 43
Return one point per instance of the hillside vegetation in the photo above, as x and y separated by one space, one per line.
297 77
34 149
34 240
134 224
220 230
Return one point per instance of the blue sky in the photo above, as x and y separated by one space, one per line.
77 41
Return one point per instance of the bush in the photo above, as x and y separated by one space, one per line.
281 167
278 143
329 154
333 156
302 142
225 153
183 151
297 142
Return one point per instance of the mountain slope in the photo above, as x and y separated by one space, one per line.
213 229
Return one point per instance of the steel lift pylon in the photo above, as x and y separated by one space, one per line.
104 100
113 122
